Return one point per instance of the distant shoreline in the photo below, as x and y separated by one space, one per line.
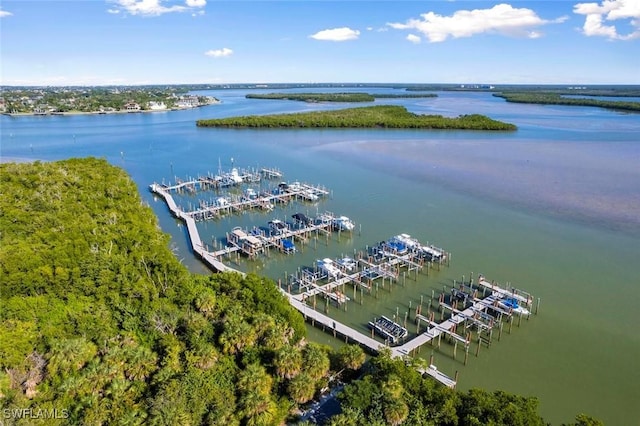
71 113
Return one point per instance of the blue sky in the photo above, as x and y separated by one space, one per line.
101 42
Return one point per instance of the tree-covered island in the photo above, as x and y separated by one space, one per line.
546 98
380 116
336 97
101 324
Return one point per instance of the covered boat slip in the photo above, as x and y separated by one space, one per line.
391 331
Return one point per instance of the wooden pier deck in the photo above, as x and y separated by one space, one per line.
194 236
519 295
275 240
300 191
363 339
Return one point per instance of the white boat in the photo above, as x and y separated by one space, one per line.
325 218
250 194
295 186
221 202
433 253
343 223
309 195
327 266
347 263
411 243
234 176
512 304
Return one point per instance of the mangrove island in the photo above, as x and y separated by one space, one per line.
336 97
559 99
381 116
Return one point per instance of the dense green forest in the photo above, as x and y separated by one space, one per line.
103 324
381 116
315 97
558 99
336 97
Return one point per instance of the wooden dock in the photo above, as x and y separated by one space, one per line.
196 243
389 267
283 193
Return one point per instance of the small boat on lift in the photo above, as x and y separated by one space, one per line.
395 246
347 263
277 227
327 266
343 223
512 304
288 247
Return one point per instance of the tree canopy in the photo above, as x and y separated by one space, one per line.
378 116
547 98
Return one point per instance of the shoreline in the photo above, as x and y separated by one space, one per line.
72 113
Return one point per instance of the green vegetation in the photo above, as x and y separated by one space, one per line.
100 319
546 98
383 116
102 323
404 95
336 97
316 97
392 393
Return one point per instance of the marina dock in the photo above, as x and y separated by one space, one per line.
236 203
388 261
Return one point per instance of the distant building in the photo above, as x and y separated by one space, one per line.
153 105
131 106
188 101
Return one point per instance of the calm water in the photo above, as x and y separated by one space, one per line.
553 208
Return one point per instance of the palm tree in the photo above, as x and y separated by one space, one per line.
141 362
237 335
395 411
349 417
254 378
69 355
316 361
288 362
302 388
351 357
257 408
206 303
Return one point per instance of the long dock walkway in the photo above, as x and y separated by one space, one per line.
194 236
363 339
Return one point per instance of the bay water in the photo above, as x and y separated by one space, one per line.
553 208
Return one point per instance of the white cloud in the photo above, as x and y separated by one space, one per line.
4 13
502 19
155 7
219 53
336 34
596 14
414 38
